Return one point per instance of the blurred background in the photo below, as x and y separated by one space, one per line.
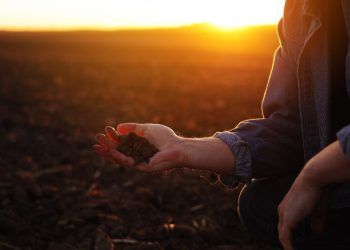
69 68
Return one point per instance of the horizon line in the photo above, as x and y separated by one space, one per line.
125 28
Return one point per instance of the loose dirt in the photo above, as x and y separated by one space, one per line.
139 148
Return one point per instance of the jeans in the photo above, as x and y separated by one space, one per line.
257 207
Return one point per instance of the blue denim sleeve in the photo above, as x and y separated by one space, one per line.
343 136
271 146
243 167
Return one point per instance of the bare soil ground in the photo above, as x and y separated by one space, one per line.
58 90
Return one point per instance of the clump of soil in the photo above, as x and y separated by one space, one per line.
139 148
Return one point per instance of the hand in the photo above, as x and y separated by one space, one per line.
170 155
330 166
302 200
208 153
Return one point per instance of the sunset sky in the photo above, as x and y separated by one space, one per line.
116 14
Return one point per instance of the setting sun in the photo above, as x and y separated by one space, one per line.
109 14
232 14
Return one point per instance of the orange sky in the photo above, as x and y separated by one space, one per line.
112 14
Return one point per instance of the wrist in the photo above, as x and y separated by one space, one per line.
182 146
208 153
311 176
188 151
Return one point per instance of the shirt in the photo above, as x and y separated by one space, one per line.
337 52
298 118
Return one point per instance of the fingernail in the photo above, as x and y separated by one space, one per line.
109 129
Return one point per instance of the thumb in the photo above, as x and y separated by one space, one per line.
125 128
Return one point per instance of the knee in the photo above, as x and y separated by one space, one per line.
245 205
257 212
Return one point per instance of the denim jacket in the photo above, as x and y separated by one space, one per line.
295 124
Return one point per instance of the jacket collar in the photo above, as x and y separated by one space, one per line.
346 11
313 8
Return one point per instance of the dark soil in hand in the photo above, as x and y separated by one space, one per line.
139 148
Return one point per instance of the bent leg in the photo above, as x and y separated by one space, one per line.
257 207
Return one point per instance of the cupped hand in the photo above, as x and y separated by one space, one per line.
171 153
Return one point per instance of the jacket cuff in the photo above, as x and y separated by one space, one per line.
243 160
343 136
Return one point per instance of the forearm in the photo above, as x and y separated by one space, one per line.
330 166
208 154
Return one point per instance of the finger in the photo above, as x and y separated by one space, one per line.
112 134
156 168
99 152
97 147
165 156
318 216
103 153
126 128
144 167
285 237
162 166
317 224
105 141
121 158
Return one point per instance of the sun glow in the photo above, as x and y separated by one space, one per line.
111 14
233 14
